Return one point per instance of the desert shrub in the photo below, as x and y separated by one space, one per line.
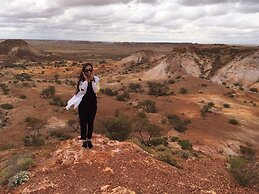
159 141
60 135
23 77
243 172
158 89
179 125
206 108
109 91
48 92
226 105
22 96
148 106
253 90
184 154
35 124
175 139
119 127
33 140
4 88
167 157
141 126
123 96
18 179
6 106
73 124
233 121
185 144
6 147
183 91
247 152
171 81
57 101
16 164
134 87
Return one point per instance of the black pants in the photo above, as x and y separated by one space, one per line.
87 112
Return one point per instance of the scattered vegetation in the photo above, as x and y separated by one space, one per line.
179 125
158 89
119 127
183 91
22 96
60 135
4 88
123 96
206 108
233 121
57 101
17 163
6 106
73 124
244 168
134 87
149 106
253 90
48 92
109 91
226 105
23 77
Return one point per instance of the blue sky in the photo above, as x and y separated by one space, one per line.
201 21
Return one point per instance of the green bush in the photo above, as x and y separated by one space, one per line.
159 141
158 89
167 157
148 105
185 144
6 106
134 87
243 172
118 127
233 121
48 92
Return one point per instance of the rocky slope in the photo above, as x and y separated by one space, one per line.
122 167
219 63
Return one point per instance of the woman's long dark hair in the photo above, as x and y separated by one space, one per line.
81 77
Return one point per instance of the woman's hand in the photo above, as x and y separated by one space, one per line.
86 78
90 77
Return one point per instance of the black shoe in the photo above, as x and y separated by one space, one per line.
89 143
84 144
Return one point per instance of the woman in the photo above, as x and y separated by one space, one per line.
88 86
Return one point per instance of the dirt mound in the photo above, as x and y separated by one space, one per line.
20 49
122 167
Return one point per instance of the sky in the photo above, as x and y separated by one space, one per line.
197 21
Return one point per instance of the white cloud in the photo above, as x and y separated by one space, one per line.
210 21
